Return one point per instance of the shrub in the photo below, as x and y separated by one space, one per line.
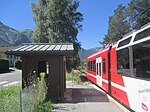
42 88
4 65
34 96
18 64
44 107
75 78
68 76
82 68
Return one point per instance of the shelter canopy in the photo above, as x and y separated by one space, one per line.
65 49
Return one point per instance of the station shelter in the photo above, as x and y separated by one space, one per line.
48 58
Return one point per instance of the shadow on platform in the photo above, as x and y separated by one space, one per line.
77 95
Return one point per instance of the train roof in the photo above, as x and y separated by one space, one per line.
135 37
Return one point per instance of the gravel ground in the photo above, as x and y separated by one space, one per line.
85 98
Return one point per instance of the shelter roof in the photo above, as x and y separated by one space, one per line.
42 49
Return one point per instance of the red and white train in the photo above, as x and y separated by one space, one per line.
123 70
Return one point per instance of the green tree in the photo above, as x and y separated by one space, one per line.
58 21
125 19
118 26
40 33
139 13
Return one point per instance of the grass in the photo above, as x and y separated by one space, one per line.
33 98
8 91
74 78
3 59
10 99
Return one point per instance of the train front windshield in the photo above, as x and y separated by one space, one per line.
141 59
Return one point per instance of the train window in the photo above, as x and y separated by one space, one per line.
104 66
141 60
88 65
100 69
97 69
123 62
124 42
92 66
142 34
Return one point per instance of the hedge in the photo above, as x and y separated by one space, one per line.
18 64
4 65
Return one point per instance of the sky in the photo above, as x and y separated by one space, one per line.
18 15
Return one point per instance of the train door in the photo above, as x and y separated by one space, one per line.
99 71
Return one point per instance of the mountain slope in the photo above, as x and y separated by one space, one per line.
10 36
84 53
27 33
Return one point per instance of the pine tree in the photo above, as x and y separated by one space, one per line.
58 21
40 33
118 26
125 19
139 13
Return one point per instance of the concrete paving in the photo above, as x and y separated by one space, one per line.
11 78
85 98
86 107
